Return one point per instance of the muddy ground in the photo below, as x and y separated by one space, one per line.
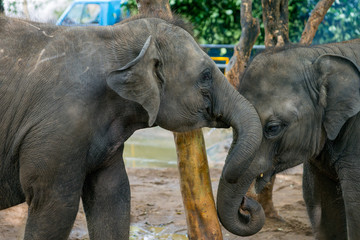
157 211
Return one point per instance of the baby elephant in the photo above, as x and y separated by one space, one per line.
71 97
308 101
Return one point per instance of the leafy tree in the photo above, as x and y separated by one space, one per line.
219 21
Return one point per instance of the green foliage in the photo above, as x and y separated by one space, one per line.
12 7
342 21
214 21
1 6
219 21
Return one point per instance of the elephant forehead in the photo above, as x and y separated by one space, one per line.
278 107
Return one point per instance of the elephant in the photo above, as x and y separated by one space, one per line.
308 102
71 97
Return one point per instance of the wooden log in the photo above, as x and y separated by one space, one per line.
201 214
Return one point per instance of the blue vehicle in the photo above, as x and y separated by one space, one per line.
94 12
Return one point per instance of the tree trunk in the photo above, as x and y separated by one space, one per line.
316 17
156 8
198 200
276 22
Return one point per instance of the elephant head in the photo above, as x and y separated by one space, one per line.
303 96
181 88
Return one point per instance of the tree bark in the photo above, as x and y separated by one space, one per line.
316 17
195 184
156 8
250 30
276 22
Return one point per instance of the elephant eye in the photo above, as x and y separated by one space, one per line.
273 129
206 76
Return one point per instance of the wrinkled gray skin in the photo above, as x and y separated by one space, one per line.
308 102
69 99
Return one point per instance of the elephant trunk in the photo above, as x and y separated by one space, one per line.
239 214
236 177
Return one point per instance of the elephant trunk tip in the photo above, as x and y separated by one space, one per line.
238 213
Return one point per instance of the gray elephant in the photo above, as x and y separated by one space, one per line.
70 97
308 102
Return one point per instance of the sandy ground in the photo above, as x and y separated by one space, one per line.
157 210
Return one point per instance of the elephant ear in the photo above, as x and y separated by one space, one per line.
136 81
339 88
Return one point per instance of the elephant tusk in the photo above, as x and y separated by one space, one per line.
261 175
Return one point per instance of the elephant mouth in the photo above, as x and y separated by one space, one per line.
262 180
217 121
221 124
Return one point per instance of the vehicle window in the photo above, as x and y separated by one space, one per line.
73 17
91 14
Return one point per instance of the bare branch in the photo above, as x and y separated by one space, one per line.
250 31
316 17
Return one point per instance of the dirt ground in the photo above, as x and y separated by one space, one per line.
157 210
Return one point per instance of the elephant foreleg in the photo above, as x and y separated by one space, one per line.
106 200
324 204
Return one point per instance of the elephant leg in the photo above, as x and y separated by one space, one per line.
53 202
54 218
324 204
106 200
348 171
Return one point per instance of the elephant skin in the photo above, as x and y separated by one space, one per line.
308 102
70 98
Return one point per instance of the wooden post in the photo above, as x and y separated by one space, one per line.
195 184
201 214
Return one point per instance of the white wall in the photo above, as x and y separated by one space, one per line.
39 10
